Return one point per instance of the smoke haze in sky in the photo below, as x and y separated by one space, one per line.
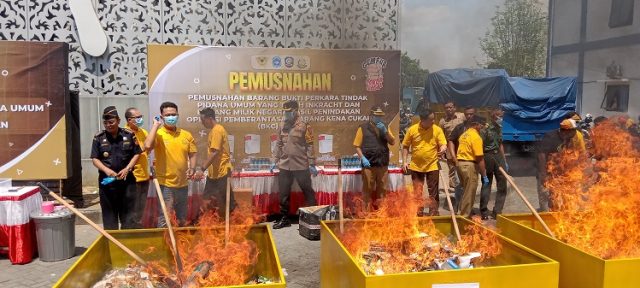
445 34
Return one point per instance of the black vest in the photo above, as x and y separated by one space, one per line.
374 145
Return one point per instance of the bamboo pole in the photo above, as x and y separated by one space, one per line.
533 210
172 236
454 220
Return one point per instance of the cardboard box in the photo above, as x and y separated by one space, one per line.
310 218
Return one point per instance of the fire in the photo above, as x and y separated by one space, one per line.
231 263
597 200
394 240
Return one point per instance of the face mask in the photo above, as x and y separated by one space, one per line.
499 121
139 122
288 115
171 120
376 119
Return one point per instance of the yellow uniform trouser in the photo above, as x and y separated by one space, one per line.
374 180
469 181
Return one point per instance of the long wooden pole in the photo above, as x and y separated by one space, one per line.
533 210
454 220
98 228
172 236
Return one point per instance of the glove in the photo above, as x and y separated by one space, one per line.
506 166
313 170
108 180
382 127
365 162
485 180
273 167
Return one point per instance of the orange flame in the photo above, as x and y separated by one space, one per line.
233 262
406 242
597 201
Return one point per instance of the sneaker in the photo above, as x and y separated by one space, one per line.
283 222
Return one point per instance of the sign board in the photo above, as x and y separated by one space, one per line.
246 87
33 98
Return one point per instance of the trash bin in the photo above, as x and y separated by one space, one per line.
56 235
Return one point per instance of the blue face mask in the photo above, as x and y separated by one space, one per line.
139 122
171 120
376 119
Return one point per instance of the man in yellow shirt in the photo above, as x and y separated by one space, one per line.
218 164
141 170
427 143
175 160
372 145
470 158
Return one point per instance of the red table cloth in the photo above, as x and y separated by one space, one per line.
17 231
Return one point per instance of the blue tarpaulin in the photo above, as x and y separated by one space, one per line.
468 87
532 106
540 100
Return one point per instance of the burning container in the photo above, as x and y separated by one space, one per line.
516 266
103 255
577 268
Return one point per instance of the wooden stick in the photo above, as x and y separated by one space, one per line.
533 210
226 212
172 236
98 228
340 198
454 220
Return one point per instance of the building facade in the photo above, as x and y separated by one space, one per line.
119 76
598 41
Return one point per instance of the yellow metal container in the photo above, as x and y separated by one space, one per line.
103 255
578 269
516 266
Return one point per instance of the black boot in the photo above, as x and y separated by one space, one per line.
283 222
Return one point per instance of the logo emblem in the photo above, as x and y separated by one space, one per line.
374 68
262 60
105 154
276 61
302 63
288 61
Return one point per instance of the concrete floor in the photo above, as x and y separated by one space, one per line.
300 258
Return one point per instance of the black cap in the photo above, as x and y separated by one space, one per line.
290 105
109 113
478 119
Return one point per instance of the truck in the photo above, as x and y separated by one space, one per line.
532 106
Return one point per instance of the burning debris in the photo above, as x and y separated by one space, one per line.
597 198
404 243
130 277
212 259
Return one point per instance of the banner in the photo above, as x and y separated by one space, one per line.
246 87
33 95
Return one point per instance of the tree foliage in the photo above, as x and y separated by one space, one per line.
518 38
412 74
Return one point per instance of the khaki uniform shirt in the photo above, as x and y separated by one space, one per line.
294 150
448 125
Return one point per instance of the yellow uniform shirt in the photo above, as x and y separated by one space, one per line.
577 142
172 150
470 145
219 140
424 144
141 170
357 141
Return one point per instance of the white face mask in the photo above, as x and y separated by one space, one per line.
499 121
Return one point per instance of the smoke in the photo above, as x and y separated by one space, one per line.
445 34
